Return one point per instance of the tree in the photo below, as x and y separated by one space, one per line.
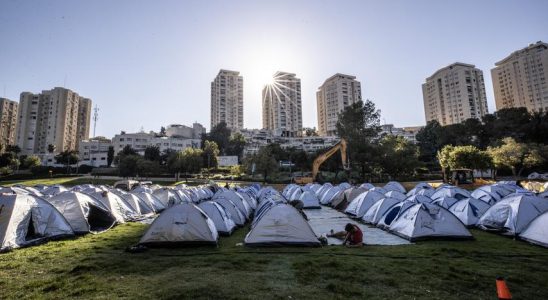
128 165
174 163
359 123
51 148
146 167
192 160
14 149
128 150
210 153
110 155
516 156
220 134
67 157
32 161
162 131
264 162
152 153
397 156
236 145
310 131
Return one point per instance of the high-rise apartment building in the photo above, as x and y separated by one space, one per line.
227 99
454 94
337 92
58 117
520 80
8 123
282 108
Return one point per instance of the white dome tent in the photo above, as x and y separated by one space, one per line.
27 220
281 225
375 213
119 208
537 231
362 203
84 213
469 210
152 201
182 224
395 194
426 221
512 214
451 191
309 200
223 223
394 186
233 211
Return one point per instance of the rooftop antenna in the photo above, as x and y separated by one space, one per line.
95 118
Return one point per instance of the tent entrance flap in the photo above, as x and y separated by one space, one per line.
31 231
98 220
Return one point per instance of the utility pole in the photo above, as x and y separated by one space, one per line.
95 118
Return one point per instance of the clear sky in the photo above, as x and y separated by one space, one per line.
150 63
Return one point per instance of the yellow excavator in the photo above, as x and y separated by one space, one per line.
341 145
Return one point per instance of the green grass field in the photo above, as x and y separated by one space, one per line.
96 266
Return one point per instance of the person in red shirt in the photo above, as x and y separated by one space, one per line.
352 235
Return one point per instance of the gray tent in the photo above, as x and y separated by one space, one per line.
141 207
512 214
395 194
445 202
181 224
537 231
375 213
394 186
149 198
281 225
469 210
242 205
118 207
167 196
362 203
84 213
451 191
223 223
233 211
426 221
393 213
310 200
26 220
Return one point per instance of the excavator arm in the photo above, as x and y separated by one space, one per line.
324 156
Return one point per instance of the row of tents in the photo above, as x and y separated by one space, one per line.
32 215
443 212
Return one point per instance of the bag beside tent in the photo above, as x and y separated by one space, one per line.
181 224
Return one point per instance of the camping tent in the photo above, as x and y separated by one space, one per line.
375 213
445 202
424 221
537 231
223 223
140 206
233 211
53 190
488 194
309 200
392 213
119 208
394 186
83 212
469 210
167 197
362 203
512 214
395 194
152 201
240 203
26 220
419 187
181 224
281 225
451 191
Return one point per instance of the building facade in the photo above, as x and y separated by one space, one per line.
408 133
94 152
282 107
227 99
454 94
178 130
8 123
520 80
337 92
58 117
139 141
256 139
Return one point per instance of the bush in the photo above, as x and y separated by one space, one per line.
4 171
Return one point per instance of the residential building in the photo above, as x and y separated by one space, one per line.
337 92
227 99
454 94
58 117
177 138
282 108
94 152
8 123
194 132
520 80
256 139
408 133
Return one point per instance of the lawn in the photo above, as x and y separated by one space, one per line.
96 266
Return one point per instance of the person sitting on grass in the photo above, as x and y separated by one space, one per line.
352 235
